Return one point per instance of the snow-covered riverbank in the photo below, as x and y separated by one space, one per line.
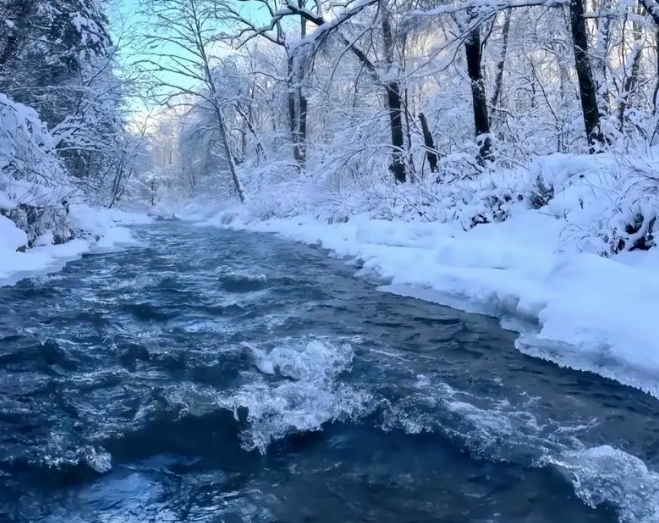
541 264
103 231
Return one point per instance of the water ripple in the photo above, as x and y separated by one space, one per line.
220 376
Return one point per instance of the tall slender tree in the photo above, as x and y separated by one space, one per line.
587 85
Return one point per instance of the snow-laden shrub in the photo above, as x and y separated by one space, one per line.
633 222
613 207
34 188
26 147
343 185
482 197
608 202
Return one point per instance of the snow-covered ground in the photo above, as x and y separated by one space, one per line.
104 232
540 269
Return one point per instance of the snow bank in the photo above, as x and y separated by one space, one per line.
102 232
491 247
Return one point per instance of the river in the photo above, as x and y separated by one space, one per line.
222 376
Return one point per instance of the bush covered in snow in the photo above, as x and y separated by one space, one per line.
607 203
34 188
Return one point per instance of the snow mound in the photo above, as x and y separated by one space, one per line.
100 232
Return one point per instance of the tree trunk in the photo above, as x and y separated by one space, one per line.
292 113
656 85
498 81
301 99
394 104
631 80
600 55
227 151
243 143
247 118
481 120
396 122
587 87
408 137
302 124
210 83
429 143
652 9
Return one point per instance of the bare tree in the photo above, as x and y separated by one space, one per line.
429 143
394 102
498 81
631 71
181 40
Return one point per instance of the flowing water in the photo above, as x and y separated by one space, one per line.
218 376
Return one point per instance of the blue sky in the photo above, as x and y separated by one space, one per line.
125 17
127 13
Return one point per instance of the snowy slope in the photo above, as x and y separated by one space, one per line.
542 266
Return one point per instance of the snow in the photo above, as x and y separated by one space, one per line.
10 235
571 305
101 225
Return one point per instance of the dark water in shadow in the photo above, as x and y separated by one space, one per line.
218 376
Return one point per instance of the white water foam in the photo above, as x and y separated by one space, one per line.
140 282
300 391
57 455
498 431
245 275
608 475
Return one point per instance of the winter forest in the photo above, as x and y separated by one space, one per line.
339 105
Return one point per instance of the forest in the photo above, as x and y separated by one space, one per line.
339 105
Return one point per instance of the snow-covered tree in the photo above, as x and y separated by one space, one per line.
57 57
34 189
350 94
182 43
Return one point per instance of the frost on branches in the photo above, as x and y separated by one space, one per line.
63 135
415 111
34 190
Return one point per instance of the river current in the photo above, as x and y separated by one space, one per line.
220 376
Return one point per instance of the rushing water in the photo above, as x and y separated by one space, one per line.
217 376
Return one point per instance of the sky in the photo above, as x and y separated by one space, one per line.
126 23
